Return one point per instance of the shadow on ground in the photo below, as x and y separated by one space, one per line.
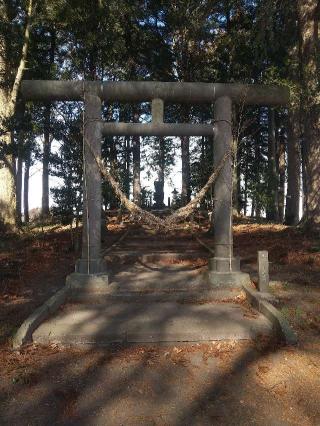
218 383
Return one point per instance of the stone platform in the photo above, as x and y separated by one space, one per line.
154 296
151 295
109 322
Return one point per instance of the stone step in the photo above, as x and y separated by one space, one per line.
155 256
170 283
157 245
202 296
102 324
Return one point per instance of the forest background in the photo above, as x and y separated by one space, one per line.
276 166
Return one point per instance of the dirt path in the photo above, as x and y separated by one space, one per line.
222 383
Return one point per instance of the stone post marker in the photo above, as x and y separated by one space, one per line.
263 268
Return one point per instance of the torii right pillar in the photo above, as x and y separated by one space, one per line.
224 268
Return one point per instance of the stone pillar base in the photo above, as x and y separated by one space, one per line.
228 279
225 272
88 284
223 264
96 266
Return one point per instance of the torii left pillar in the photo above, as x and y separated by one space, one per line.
224 268
91 261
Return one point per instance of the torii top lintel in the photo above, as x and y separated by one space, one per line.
146 91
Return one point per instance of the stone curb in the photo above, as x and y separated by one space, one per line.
280 325
24 333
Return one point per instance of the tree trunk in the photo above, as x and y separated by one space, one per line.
26 186
8 101
202 169
312 137
19 182
185 169
114 169
256 205
127 166
47 138
282 174
8 186
253 207
45 162
136 165
304 178
245 195
309 11
20 141
293 189
161 167
272 208
236 182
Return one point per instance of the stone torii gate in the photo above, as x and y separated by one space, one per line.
224 269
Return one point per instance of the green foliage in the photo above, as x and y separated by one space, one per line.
67 165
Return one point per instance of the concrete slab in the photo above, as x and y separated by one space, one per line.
101 324
154 278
